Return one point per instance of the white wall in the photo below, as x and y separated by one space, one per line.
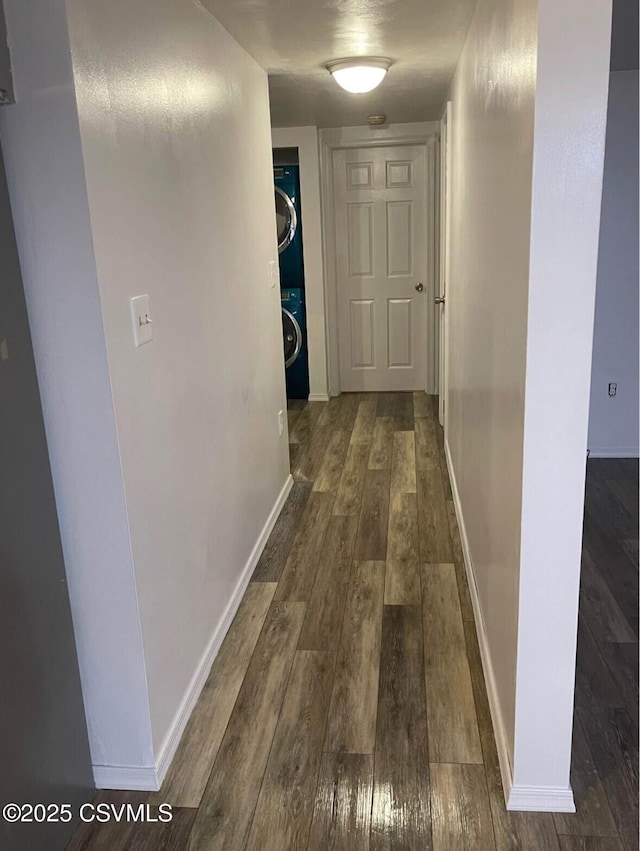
43 158
174 118
569 139
306 140
613 422
176 153
526 171
491 134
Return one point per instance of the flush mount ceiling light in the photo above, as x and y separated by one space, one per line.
360 74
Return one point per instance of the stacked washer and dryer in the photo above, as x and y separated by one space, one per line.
294 322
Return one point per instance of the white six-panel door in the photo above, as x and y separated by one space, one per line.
381 235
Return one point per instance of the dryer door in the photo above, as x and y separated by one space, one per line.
292 337
286 219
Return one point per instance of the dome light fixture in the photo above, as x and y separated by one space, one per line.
359 74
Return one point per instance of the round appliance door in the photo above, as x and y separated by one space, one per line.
291 336
286 219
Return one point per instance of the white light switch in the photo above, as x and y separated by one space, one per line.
141 315
274 275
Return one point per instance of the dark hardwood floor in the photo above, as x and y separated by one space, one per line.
347 707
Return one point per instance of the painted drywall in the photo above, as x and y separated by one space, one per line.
491 137
43 157
305 139
613 421
174 120
43 735
569 143
529 106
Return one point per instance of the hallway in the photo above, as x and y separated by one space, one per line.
347 707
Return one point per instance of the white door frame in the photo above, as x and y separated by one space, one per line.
444 234
332 139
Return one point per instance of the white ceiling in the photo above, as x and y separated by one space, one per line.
293 39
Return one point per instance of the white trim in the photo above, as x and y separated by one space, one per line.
337 138
541 799
499 730
127 777
604 452
318 397
151 778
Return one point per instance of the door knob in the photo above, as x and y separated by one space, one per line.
439 299
419 287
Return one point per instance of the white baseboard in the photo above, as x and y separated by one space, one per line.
517 798
126 777
541 799
499 730
603 452
150 779
318 397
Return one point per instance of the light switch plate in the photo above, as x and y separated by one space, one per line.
141 316
274 275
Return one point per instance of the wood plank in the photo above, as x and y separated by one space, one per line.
371 543
306 422
328 477
466 605
626 492
309 461
460 812
401 813
595 687
285 807
620 574
349 495
276 551
224 818
402 582
593 815
365 420
352 716
444 470
421 405
403 465
325 610
611 511
342 810
451 714
426 444
381 444
399 406
599 606
171 836
613 741
343 410
187 777
109 836
292 416
621 661
589 843
295 451
299 571
433 522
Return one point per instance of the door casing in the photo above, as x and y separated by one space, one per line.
420 133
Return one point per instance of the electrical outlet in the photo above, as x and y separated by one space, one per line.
280 423
613 389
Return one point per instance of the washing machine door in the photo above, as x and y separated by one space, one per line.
286 218
291 336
